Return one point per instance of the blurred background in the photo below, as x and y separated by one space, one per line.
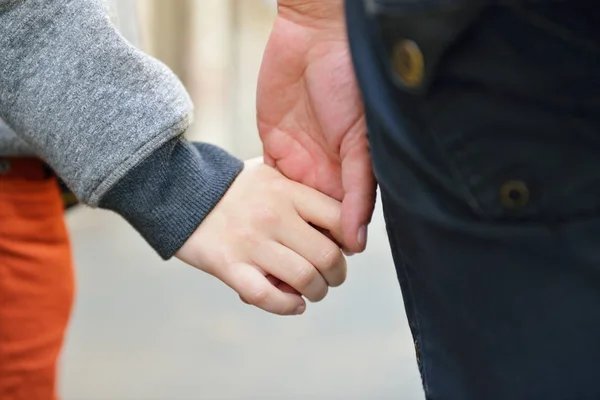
148 330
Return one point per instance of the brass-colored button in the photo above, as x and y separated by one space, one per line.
514 195
409 63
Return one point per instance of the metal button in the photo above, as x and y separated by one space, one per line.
4 166
409 63
514 195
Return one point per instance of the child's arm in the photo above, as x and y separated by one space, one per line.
109 119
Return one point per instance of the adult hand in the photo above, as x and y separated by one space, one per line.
261 240
310 112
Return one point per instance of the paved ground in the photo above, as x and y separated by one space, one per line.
148 330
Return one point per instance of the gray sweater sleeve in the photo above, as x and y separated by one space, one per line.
101 113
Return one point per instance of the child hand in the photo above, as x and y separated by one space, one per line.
260 233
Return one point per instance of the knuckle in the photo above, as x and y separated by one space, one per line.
339 278
267 215
285 309
336 268
319 294
259 297
246 235
331 259
304 277
280 187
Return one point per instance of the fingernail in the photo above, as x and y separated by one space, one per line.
362 236
300 310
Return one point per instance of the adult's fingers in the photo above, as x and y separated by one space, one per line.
287 265
255 289
360 190
317 249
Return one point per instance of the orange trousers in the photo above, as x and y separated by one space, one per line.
36 286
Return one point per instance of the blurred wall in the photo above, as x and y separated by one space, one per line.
215 47
164 28
124 14
254 20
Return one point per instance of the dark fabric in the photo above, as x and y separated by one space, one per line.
168 195
491 186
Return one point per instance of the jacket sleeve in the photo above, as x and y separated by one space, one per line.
107 118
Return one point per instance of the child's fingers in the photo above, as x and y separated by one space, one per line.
279 284
326 233
317 249
285 288
291 268
320 210
255 289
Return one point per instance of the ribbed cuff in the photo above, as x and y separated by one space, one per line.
168 195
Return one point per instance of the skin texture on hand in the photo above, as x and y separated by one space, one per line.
310 112
260 241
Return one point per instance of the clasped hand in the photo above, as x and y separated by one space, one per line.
262 240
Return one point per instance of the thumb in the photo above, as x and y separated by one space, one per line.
360 190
